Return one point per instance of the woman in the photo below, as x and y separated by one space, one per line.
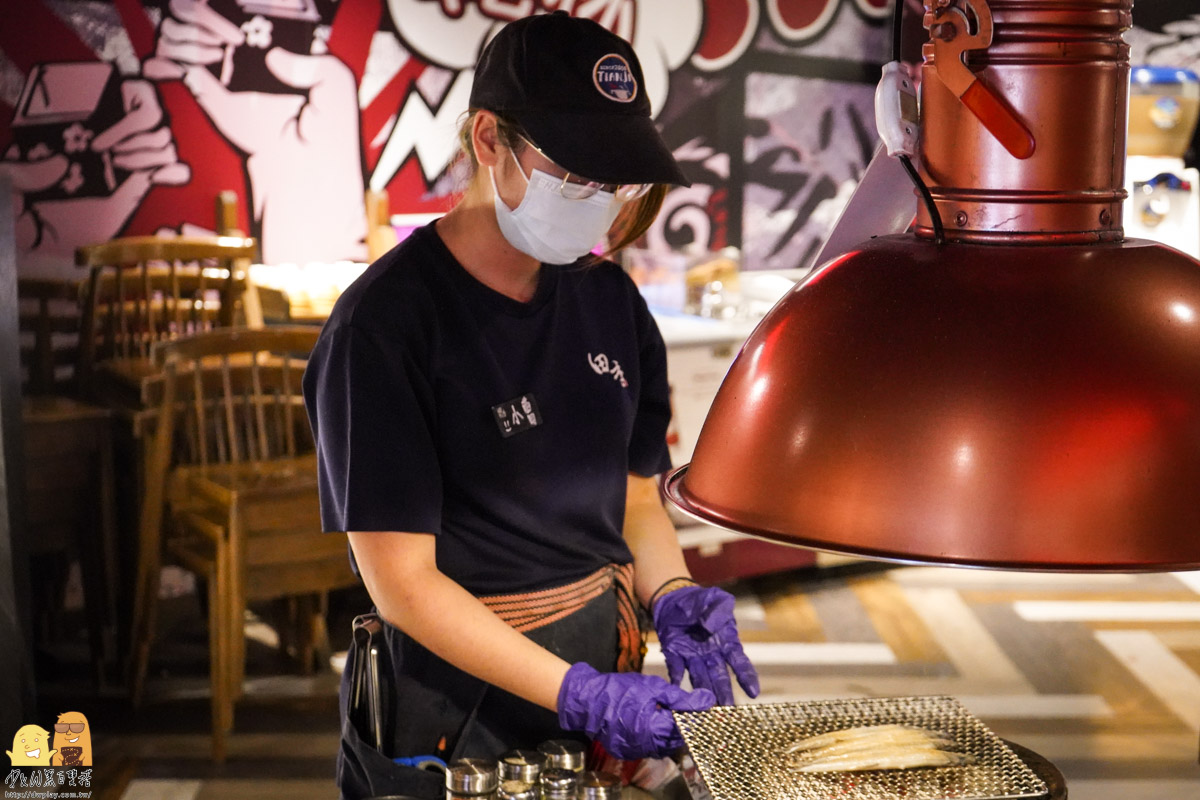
490 407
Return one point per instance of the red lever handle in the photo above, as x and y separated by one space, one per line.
999 119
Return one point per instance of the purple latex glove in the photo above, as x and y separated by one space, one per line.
698 633
627 712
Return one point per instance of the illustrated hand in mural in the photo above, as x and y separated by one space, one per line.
302 149
138 143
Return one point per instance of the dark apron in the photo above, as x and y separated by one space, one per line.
431 708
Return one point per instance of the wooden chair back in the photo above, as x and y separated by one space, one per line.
227 214
381 236
236 393
49 331
146 289
259 305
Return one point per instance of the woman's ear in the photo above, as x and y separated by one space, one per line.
485 138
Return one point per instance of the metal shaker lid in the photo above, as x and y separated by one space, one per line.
563 754
593 785
471 776
521 765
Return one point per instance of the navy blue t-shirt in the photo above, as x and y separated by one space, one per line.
508 429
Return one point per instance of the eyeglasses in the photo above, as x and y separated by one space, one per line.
73 727
574 187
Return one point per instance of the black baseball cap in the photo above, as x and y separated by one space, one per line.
577 91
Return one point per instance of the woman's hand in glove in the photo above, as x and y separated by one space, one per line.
698 633
627 712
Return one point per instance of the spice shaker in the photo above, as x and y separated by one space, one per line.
593 785
558 784
563 754
521 765
471 777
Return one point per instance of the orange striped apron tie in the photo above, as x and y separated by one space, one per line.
531 610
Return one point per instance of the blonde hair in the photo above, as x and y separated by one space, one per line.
631 224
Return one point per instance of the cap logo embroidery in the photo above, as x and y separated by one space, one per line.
614 78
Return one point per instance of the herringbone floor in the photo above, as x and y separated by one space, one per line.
1100 674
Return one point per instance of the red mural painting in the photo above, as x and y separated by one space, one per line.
132 116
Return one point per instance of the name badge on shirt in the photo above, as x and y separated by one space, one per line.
517 416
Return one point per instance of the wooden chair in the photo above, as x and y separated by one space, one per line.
139 290
145 289
69 470
233 481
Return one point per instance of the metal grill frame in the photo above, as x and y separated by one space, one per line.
737 751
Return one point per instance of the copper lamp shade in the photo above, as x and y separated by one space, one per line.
1025 395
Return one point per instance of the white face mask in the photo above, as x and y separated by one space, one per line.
548 226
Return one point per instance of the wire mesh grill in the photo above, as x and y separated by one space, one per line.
738 751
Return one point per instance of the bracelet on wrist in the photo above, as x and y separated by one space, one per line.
668 587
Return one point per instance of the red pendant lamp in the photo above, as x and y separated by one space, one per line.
1025 393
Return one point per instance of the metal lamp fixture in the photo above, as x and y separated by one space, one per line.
1017 389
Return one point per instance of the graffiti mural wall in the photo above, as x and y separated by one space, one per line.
129 116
